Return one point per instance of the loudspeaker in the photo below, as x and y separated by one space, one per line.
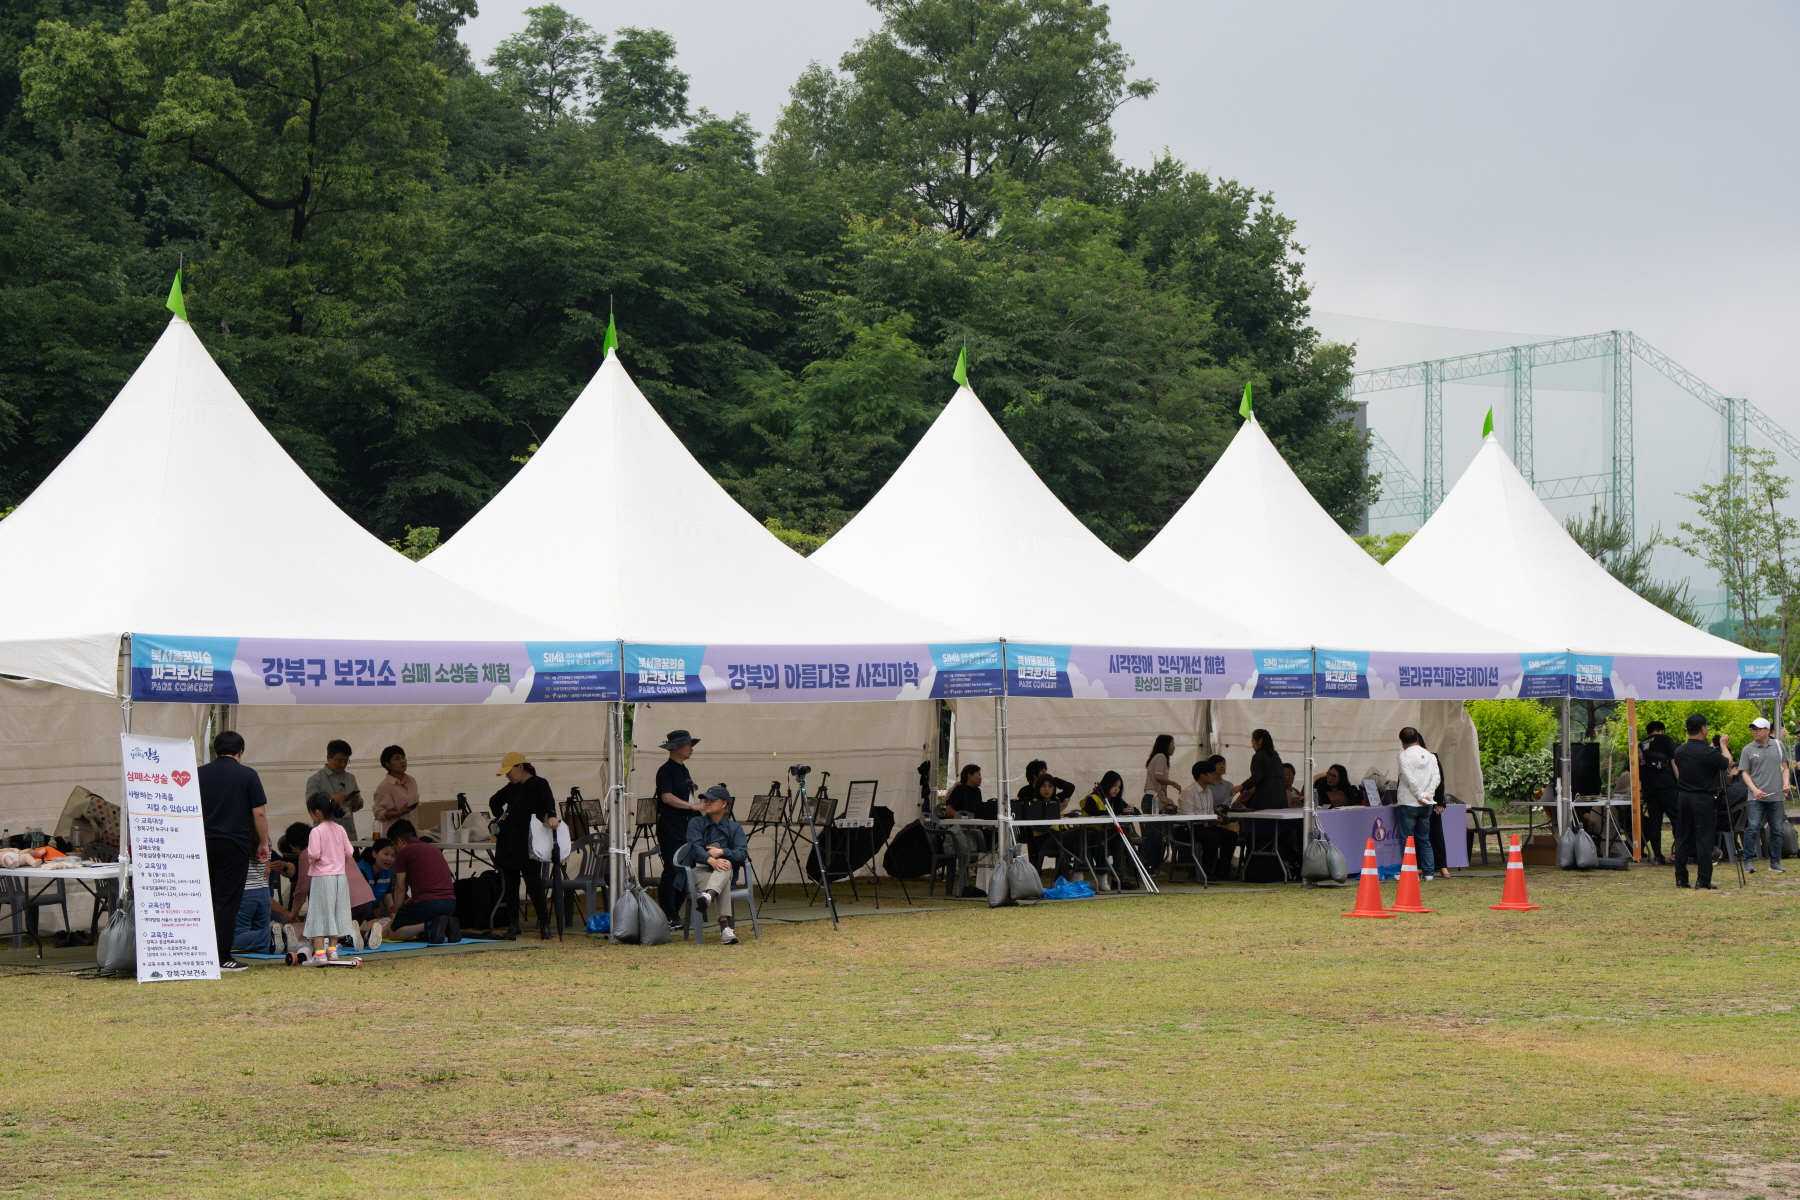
1584 764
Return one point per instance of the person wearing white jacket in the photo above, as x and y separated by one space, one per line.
1419 779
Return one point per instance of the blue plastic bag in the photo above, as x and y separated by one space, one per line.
1388 873
1062 889
599 923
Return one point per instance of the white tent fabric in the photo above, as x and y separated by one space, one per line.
1250 507
1493 552
648 547
966 466
179 514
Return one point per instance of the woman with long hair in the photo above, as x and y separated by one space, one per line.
1264 787
1333 789
1157 788
1099 844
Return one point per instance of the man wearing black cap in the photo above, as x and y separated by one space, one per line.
674 809
717 845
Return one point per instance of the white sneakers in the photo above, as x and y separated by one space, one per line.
727 936
374 937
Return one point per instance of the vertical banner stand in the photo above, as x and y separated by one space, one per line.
1637 783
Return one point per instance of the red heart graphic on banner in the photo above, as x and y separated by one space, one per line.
180 777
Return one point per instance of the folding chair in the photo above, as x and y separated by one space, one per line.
692 922
644 830
588 878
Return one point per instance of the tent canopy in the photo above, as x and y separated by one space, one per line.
648 547
1044 578
179 514
1493 552
1250 507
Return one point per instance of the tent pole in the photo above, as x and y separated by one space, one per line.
1637 783
1006 813
619 852
1565 794
1311 803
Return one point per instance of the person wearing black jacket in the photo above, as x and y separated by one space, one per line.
1065 791
525 796
234 819
1656 755
1700 773
675 809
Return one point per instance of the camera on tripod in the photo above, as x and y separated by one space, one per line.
799 772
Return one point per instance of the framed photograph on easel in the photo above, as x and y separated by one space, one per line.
859 804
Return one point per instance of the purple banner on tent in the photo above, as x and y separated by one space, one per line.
795 674
203 670
1602 677
1402 676
1351 828
1126 672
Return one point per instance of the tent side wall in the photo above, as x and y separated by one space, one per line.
57 737
746 746
1082 739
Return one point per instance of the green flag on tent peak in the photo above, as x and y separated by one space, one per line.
177 303
961 374
611 345
1244 408
1487 426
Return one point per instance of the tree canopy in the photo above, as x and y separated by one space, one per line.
406 260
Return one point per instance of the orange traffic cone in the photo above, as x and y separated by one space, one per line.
1408 899
1368 888
1512 897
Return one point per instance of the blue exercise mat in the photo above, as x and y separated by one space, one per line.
381 949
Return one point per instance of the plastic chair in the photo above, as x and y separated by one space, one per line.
743 888
16 895
588 877
1479 824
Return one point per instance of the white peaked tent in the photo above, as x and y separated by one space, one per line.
1040 576
1251 507
179 514
1047 578
649 548
1493 552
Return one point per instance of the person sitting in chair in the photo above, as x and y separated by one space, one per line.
717 845
1333 789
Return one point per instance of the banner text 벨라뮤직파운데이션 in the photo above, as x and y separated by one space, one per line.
205 670
171 892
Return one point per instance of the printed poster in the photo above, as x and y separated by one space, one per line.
172 898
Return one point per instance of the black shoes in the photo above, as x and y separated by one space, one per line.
435 933
452 930
544 933
512 932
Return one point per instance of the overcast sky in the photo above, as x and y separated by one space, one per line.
1554 168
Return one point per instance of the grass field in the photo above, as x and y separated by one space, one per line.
1627 1040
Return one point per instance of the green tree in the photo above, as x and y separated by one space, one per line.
306 117
638 85
959 95
1609 543
1383 546
550 62
1742 534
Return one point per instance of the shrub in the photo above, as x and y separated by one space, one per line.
1730 717
1510 729
1515 778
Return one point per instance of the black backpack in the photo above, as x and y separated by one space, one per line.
476 897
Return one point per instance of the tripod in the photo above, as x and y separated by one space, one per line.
810 813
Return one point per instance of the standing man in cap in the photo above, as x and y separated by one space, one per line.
1764 764
717 845
675 808
525 796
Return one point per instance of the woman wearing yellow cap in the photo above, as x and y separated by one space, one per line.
525 796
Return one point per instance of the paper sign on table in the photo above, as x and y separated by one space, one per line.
171 893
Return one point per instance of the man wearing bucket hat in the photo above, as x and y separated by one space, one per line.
675 808
525 796
717 845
